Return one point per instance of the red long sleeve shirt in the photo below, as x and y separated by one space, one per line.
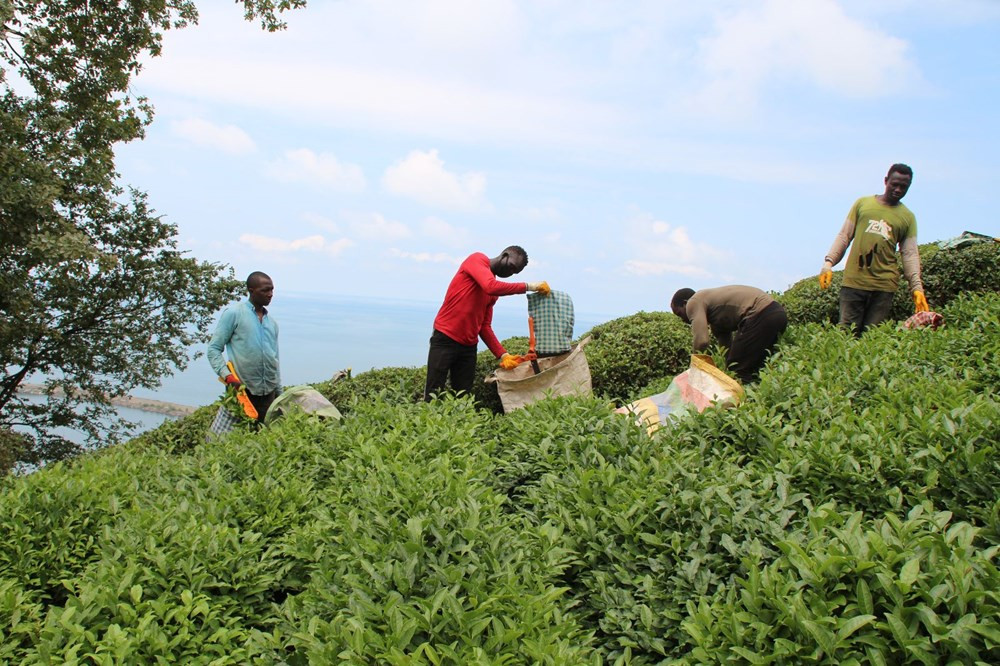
467 311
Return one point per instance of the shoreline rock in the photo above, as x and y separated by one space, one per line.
132 402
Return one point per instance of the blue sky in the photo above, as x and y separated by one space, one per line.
631 148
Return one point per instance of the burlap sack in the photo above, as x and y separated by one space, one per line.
566 374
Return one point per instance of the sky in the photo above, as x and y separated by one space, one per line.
631 148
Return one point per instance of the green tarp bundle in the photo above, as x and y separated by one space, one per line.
305 398
967 238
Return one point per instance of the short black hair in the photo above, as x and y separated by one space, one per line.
516 249
256 277
681 296
900 168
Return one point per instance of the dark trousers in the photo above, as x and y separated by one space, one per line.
864 309
449 358
754 340
262 402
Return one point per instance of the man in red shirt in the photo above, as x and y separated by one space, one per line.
467 315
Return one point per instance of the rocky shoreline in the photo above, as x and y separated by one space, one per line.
142 404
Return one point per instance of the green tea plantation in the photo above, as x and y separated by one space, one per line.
847 512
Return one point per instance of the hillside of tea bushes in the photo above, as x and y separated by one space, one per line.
846 513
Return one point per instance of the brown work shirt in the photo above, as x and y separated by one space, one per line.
721 310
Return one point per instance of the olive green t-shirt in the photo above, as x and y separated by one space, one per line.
878 231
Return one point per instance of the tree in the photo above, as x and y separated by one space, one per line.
94 293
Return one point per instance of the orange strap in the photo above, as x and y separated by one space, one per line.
531 355
241 393
244 400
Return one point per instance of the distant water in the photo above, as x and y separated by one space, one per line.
142 420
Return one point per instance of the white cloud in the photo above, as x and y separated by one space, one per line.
421 176
315 244
425 257
662 248
814 43
227 138
376 227
639 267
388 67
436 229
322 169
550 213
451 28
946 13
321 221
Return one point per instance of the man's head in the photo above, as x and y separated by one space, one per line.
897 183
260 288
678 304
509 262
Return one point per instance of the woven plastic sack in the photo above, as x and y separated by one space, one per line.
304 398
700 386
566 374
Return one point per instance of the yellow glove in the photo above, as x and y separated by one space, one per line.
920 302
509 361
541 287
825 275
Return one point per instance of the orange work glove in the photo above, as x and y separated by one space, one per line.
510 361
232 380
541 287
825 275
920 302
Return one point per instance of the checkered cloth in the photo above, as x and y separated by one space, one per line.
923 320
553 315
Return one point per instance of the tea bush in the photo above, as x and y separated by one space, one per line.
971 269
886 591
416 559
394 385
649 525
845 512
945 274
805 302
373 540
884 421
176 557
680 519
553 434
179 435
626 354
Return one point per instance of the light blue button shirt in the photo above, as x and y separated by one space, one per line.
251 344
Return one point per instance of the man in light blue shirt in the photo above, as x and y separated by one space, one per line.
249 336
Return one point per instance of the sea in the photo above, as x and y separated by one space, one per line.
320 335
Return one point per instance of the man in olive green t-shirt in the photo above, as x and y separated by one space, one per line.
877 225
